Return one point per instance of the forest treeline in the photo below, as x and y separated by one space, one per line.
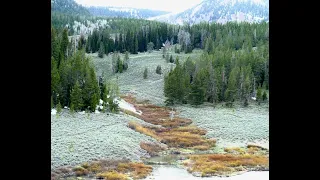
74 82
234 65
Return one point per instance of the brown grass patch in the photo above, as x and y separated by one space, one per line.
184 139
175 133
144 130
152 148
201 147
256 147
212 164
175 137
80 171
111 169
136 170
112 175
234 150
155 114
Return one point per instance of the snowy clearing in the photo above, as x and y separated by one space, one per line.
80 138
127 106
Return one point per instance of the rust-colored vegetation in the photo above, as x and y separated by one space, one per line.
152 148
135 170
108 169
155 114
112 175
175 137
175 133
220 164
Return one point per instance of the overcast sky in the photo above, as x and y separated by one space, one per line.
164 5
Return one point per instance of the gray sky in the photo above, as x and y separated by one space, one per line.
164 5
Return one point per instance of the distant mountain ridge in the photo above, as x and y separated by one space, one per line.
69 7
221 11
124 12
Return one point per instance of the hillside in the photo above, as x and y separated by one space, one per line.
124 12
221 11
69 7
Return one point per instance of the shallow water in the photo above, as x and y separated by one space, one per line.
174 173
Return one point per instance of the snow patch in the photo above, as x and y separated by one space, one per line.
53 111
196 9
127 106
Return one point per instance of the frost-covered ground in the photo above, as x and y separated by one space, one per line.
131 81
76 139
232 126
79 138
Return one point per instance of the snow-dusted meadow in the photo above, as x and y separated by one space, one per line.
232 126
81 137
131 81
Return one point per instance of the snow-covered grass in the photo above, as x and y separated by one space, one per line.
232 126
77 138
82 137
131 80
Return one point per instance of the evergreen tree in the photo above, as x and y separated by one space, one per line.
88 44
264 96
163 51
158 70
55 49
76 97
245 104
91 91
259 95
169 89
113 106
115 65
120 65
126 61
59 108
167 57
64 42
211 88
94 101
150 47
116 43
101 50
232 85
171 59
121 44
55 78
197 93
136 45
72 110
145 73
179 82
